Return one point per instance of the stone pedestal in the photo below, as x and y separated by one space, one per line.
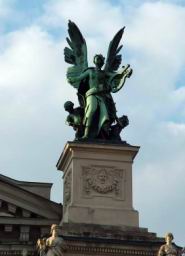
98 184
99 240
98 214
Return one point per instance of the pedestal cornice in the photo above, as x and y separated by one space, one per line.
107 148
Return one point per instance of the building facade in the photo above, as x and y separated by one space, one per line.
26 213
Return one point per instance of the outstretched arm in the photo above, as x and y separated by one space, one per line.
79 78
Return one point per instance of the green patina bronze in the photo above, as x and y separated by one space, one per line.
96 117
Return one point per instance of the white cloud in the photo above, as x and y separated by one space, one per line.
177 99
28 54
91 16
32 87
161 36
177 130
6 8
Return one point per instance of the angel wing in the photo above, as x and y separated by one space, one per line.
113 60
116 80
75 54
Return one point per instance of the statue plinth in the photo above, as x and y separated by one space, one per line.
99 240
98 183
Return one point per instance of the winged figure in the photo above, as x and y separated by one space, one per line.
94 86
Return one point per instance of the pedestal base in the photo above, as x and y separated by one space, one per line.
98 184
81 240
102 216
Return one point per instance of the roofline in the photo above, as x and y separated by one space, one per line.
28 192
20 182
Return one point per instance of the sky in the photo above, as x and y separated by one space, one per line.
33 89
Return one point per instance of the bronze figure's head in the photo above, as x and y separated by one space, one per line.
99 60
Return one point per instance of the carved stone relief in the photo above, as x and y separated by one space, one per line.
67 189
103 180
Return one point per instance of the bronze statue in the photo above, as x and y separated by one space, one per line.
95 85
74 118
168 249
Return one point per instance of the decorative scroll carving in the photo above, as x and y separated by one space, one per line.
67 189
102 180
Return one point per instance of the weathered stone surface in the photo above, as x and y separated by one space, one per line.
98 183
89 239
98 217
